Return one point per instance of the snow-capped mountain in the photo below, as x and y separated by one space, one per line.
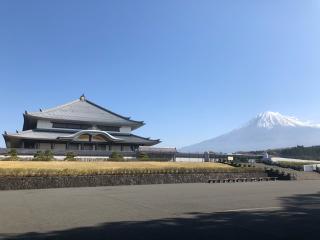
275 119
266 131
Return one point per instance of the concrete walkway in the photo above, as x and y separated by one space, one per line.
263 210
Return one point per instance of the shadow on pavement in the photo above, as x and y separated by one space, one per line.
299 218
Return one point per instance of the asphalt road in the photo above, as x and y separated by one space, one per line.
269 210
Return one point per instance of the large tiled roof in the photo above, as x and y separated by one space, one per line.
63 135
85 111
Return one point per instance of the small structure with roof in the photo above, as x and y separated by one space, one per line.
78 125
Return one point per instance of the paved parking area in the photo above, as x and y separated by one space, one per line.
277 210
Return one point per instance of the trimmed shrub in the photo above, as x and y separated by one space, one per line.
43 156
48 154
143 156
115 156
70 156
37 155
13 153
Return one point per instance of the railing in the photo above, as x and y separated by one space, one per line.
103 153
58 152
189 155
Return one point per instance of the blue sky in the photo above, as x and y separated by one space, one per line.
190 69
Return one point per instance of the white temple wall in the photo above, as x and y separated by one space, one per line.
60 146
125 129
45 146
116 148
44 124
183 159
127 148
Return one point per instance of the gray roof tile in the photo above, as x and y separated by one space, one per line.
85 111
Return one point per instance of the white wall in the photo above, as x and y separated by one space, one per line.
45 146
116 148
125 129
44 124
181 159
60 146
278 159
127 149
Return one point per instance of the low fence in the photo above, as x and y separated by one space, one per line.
97 153
57 152
156 155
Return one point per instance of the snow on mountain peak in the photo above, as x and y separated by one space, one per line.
268 130
273 119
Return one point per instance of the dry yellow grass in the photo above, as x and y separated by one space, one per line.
106 165
30 168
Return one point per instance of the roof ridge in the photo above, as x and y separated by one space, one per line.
109 111
19 132
146 138
57 107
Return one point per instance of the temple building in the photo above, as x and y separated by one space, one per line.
78 125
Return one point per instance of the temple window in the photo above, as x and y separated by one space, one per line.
99 138
84 137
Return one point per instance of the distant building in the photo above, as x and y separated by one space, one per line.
163 153
78 125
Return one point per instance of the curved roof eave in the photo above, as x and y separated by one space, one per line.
93 133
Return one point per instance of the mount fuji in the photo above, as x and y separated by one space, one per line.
267 130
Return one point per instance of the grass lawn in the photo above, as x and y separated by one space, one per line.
57 168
